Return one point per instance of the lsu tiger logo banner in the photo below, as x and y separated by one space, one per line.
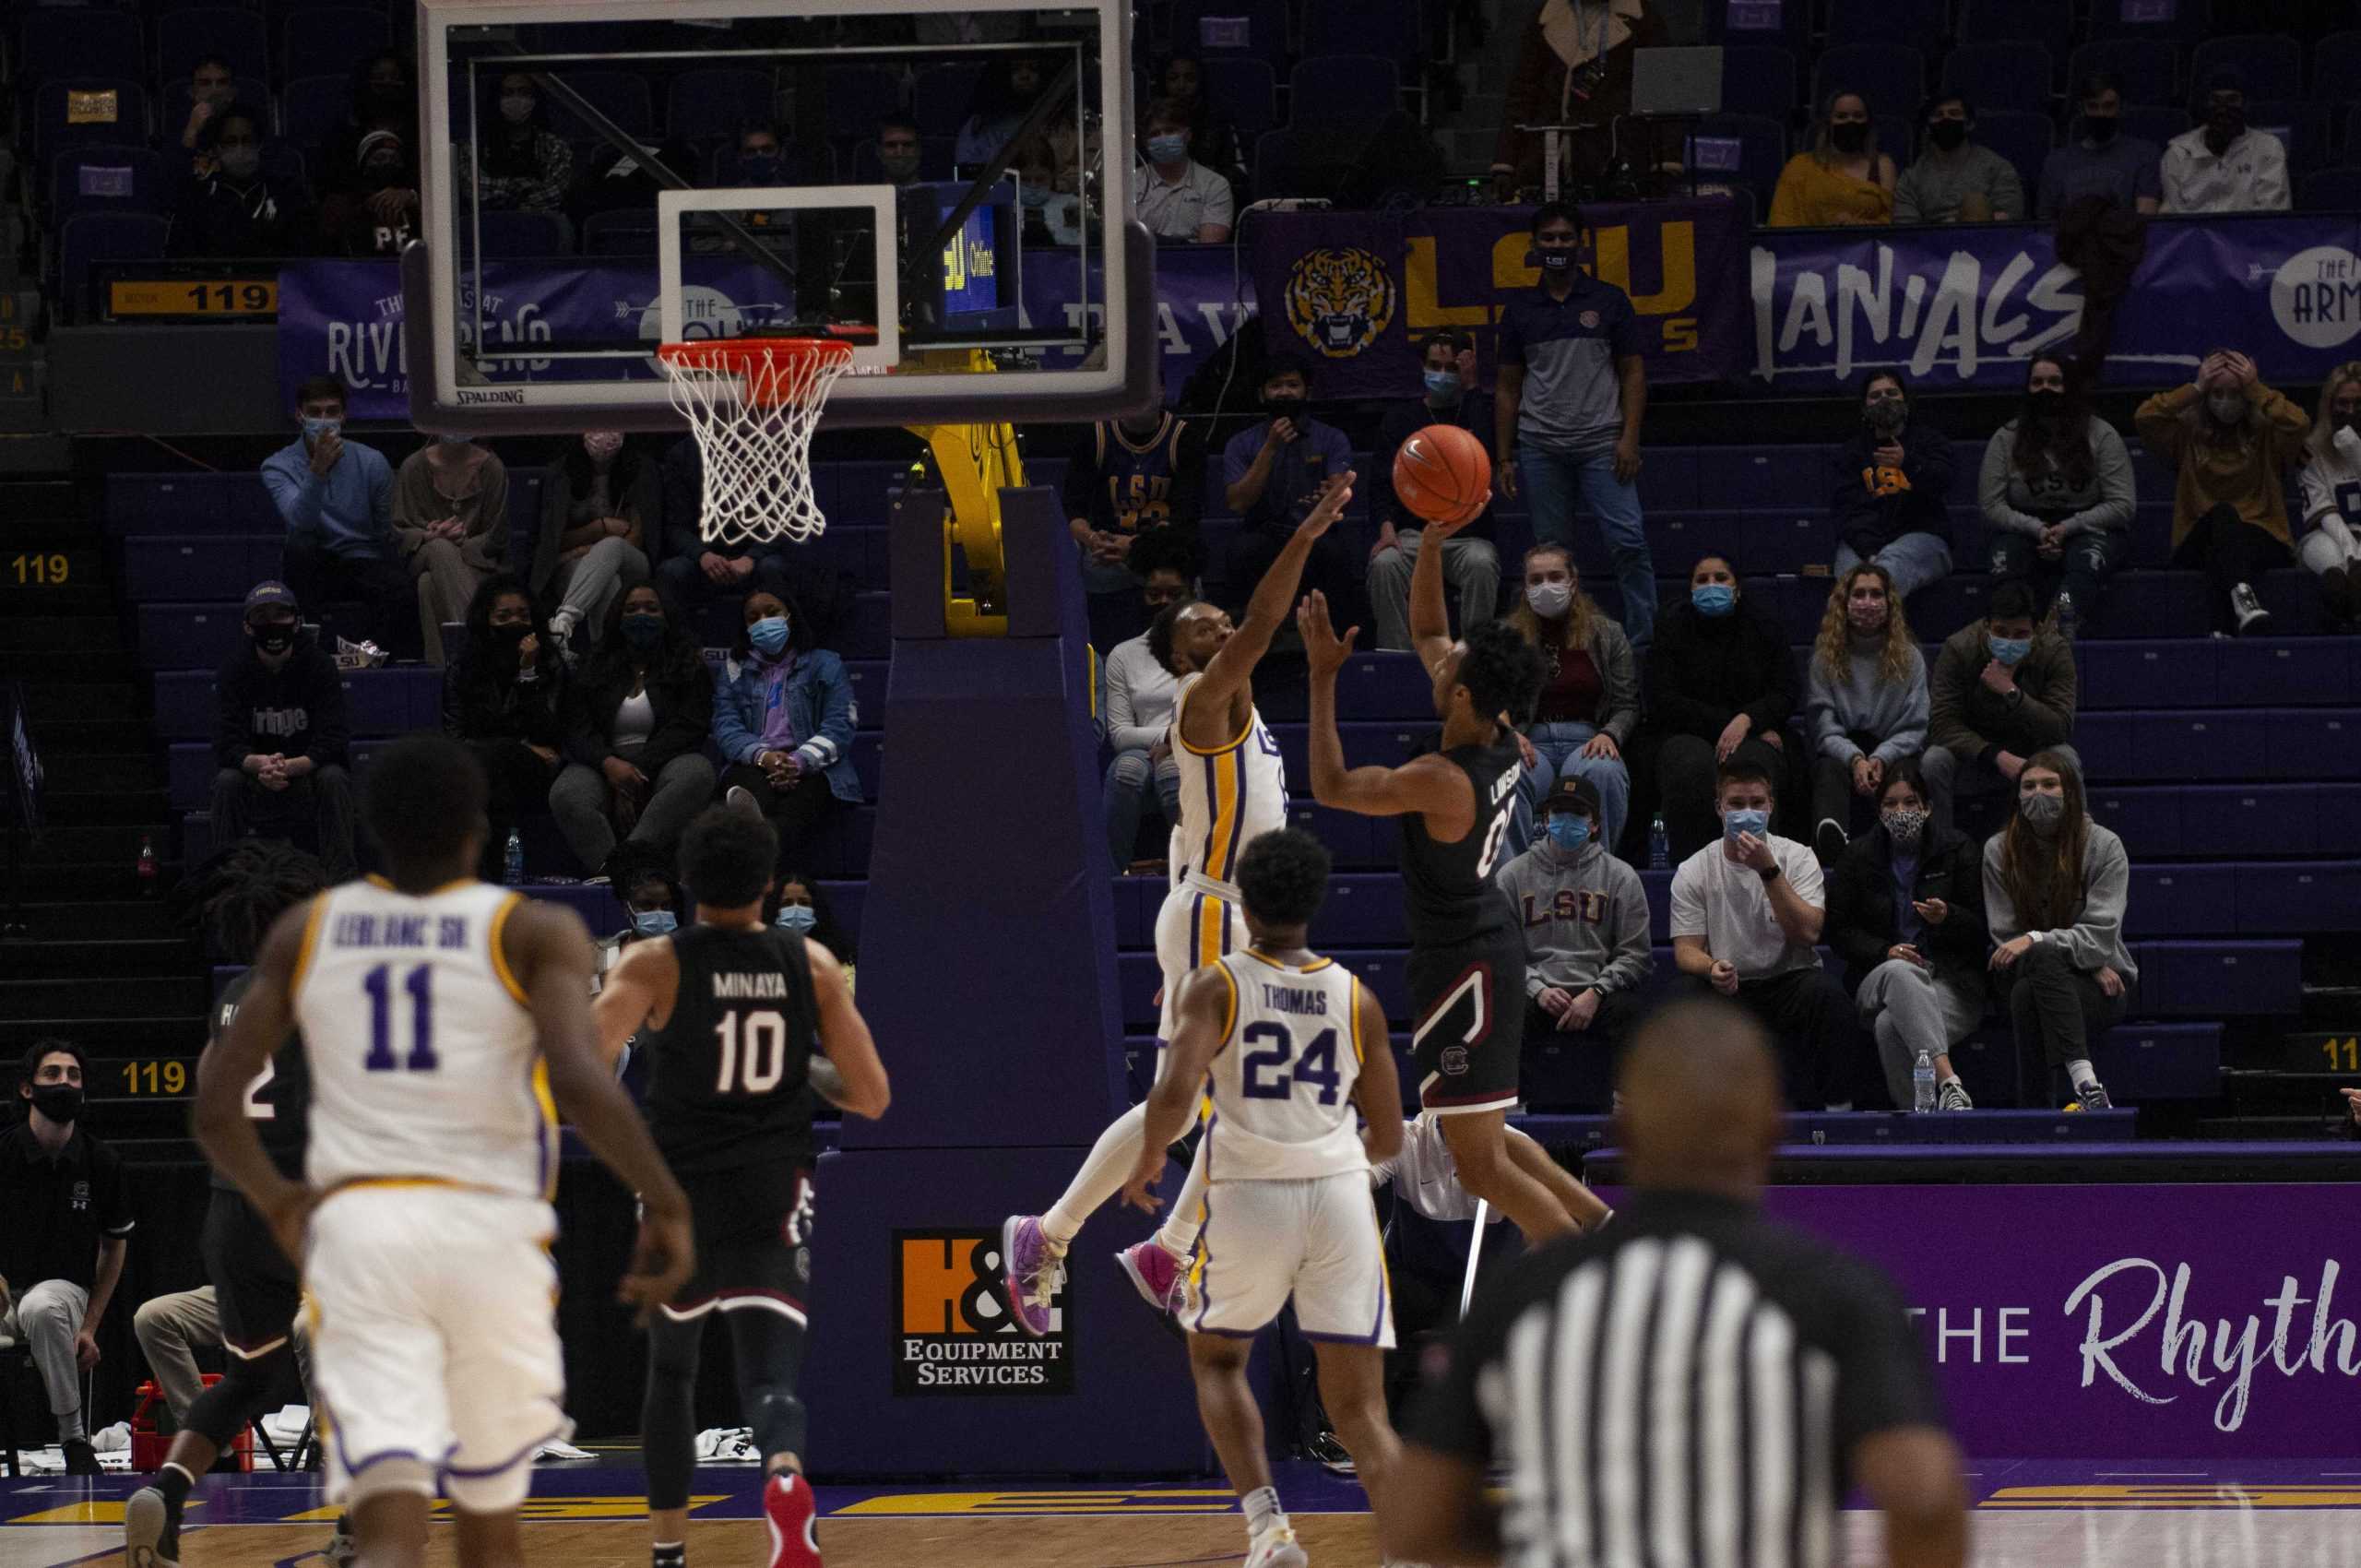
1339 301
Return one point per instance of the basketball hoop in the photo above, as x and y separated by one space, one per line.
754 403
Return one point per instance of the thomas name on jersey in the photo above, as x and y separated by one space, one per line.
1295 999
764 985
357 929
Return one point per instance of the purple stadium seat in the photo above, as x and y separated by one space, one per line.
2299 124
2045 22
624 97
1743 149
1257 27
2274 66
165 566
516 235
1245 90
182 38
1784 22
311 108
856 95
2330 190
102 177
2336 68
1343 90
1921 24
2262 671
330 40
940 96
1758 79
703 105
2150 68
2024 140
1353 27
2001 75
2150 19
84 111
2302 899
89 237
1893 77
82 42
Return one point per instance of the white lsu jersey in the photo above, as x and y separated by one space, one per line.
1282 1080
1229 796
425 1064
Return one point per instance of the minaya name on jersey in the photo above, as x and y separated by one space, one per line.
764 985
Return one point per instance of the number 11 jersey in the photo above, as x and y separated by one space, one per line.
731 1085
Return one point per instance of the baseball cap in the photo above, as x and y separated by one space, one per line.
1571 792
268 595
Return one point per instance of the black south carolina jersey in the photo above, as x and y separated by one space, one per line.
280 1099
1449 894
729 1082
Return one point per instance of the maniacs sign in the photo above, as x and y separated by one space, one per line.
955 1333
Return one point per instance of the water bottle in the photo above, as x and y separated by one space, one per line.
150 871
1922 1083
1659 847
516 868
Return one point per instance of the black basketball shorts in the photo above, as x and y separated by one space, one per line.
1468 1004
754 1233
256 1290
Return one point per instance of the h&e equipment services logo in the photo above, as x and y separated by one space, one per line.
955 1332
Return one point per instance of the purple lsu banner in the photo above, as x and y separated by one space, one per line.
1968 307
1353 291
2134 1322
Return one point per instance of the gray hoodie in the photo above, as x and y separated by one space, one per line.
2008 498
1895 711
1585 919
2095 939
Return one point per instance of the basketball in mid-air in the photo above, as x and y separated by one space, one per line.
1443 474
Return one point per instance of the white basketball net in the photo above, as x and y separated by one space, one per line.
754 415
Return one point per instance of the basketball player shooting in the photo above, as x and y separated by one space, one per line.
1466 965
446 1024
1233 789
745 1023
1293 1042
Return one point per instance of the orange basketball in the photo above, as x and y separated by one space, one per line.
1443 473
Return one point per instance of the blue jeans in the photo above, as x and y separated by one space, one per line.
1552 480
1914 561
1559 748
1128 778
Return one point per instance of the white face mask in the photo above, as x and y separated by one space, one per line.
1548 601
2227 407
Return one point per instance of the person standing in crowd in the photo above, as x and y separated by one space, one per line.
1274 473
280 733
783 719
2097 161
1471 563
2058 493
2055 886
636 718
2233 440
2003 688
2331 550
1130 477
1586 917
1572 390
1175 195
336 499
451 515
233 208
1573 68
1135 707
1590 694
1745 911
504 699
522 165
1721 689
1840 1394
1956 179
61 1253
1893 485
1905 913
2223 165
1842 178
596 513
1866 698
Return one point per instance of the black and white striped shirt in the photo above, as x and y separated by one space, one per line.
1682 1390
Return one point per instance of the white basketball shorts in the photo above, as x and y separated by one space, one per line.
1194 927
1315 1239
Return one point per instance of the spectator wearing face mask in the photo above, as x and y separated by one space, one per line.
1471 563
1866 700
595 513
1130 478
2233 439
451 515
1004 96
636 717
1136 702
696 571
1585 919
2098 161
1891 481
1842 178
899 149
1905 912
805 909
1590 695
1213 139
1175 195
1272 473
384 99
336 498
2055 887
522 165
2056 493
2003 689
233 208
2223 166
2330 549
783 716
652 901
1956 179
279 734
504 698
1721 689
376 212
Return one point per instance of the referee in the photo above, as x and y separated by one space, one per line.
1692 1385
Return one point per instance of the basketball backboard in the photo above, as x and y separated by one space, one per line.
748 168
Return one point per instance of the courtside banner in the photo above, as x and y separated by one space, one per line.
1353 291
1966 305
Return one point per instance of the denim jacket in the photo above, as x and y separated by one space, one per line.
821 696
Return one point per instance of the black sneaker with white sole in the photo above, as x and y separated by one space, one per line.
2095 1097
2253 619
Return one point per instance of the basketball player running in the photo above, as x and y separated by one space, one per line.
1293 1042
1466 965
254 1285
444 1023
735 1009
1233 788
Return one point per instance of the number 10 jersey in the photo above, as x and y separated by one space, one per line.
1281 1093
730 1084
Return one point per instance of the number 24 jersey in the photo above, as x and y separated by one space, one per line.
1282 1081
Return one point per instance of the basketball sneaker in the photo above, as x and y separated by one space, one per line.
793 1515
1276 1548
1031 1271
1154 1273
150 1534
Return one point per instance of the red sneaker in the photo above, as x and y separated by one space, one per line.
793 1515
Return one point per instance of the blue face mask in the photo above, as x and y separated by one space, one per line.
655 922
1746 821
315 428
2009 650
1166 149
797 918
1442 384
448 439
1035 195
1715 599
643 631
1569 830
768 636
